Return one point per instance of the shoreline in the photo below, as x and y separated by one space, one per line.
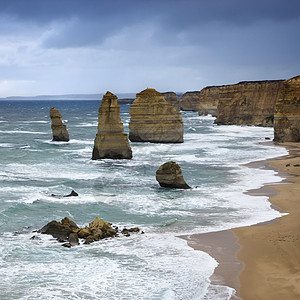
262 261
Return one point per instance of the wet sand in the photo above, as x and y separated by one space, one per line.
262 262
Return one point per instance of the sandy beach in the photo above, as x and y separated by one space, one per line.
262 262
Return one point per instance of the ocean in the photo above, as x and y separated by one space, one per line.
154 265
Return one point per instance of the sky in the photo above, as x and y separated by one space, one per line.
91 46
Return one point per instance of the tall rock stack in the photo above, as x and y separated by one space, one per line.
248 103
154 120
287 112
111 141
59 130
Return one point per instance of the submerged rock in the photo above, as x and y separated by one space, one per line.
59 130
154 120
169 175
72 194
111 141
287 112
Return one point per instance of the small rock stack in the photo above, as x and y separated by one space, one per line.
111 141
59 130
169 175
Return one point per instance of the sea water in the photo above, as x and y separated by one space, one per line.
154 265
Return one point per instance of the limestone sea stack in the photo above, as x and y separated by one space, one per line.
169 175
172 98
154 120
111 141
287 112
59 130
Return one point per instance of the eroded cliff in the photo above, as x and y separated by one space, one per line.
287 112
204 101
248 103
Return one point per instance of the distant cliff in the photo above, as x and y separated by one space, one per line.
248 102
190 101
204 101
287 112
172 98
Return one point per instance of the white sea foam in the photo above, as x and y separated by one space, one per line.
94 124
21 131
157 266
37 122
7 145
71 141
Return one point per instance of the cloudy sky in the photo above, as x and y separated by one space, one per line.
90 46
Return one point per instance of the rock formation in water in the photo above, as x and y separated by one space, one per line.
248 103
287 112
172 98
154 120
190 101
68 232
205 101
111 141
169 175
59 130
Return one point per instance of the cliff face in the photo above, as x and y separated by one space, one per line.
248 103
205 101
287 112
110 141
171 98
190 101
154 120
59 130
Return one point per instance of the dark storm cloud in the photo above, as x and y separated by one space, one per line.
75 23
82 46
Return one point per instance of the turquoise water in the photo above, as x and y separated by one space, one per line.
156 265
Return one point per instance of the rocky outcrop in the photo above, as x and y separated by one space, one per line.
172 98
68 232
111 141
59 230
287 112
248 103
154 120
169 175
59 130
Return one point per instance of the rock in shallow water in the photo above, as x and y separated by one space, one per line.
59 130
69 233
169 175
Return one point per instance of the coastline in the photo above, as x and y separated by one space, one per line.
262 261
